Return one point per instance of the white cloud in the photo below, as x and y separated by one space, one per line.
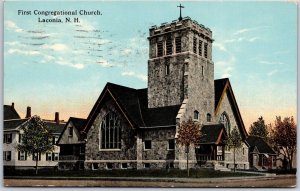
241 39
13 26
13 43
226 66
253 39
62 61
24 52
244 30
270 63
271 73
103 41
134 74
220 46
56 47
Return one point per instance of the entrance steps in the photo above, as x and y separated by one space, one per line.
221 168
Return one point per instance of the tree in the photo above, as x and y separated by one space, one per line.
259 129
234 141
188 133
35 139
284 136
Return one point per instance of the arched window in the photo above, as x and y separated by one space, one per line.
110 132
208 117
196 115
225 120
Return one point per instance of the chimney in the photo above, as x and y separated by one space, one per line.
56 118
28 113
13 105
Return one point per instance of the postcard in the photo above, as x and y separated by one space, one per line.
150 94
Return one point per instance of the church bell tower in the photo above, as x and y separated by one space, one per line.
180 67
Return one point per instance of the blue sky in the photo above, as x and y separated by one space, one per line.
64 66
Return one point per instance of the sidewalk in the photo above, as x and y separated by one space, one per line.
258 182
163 179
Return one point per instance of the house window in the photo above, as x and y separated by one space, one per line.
196 115
55 156
171 165
208 117
55 139
167 68
124 166
200 47
109 166
34 156
243 151
7 155
95 166
7 138
160 48
219 148
205 50
70 131
178 44
20 138
202 70
195 45
169 46
225 120
48 156
171 144
146 165
22 155
110 136
147 144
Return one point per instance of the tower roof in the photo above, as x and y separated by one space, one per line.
185 24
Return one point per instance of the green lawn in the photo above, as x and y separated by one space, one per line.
172 173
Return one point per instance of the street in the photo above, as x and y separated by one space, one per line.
271 182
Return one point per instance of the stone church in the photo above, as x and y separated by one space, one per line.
137 128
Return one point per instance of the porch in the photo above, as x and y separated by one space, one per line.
210 155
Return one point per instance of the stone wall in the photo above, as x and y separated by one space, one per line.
200 88
241 157
159 156
242 160
165 90
94 154
170 89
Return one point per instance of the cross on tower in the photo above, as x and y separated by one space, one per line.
180 7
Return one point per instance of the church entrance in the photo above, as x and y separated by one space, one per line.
208 152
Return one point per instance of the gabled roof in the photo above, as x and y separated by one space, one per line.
161 116
56 128
133 104
223 87
261 146
10 113
78 123
219 90
212 134
129 100
13 124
